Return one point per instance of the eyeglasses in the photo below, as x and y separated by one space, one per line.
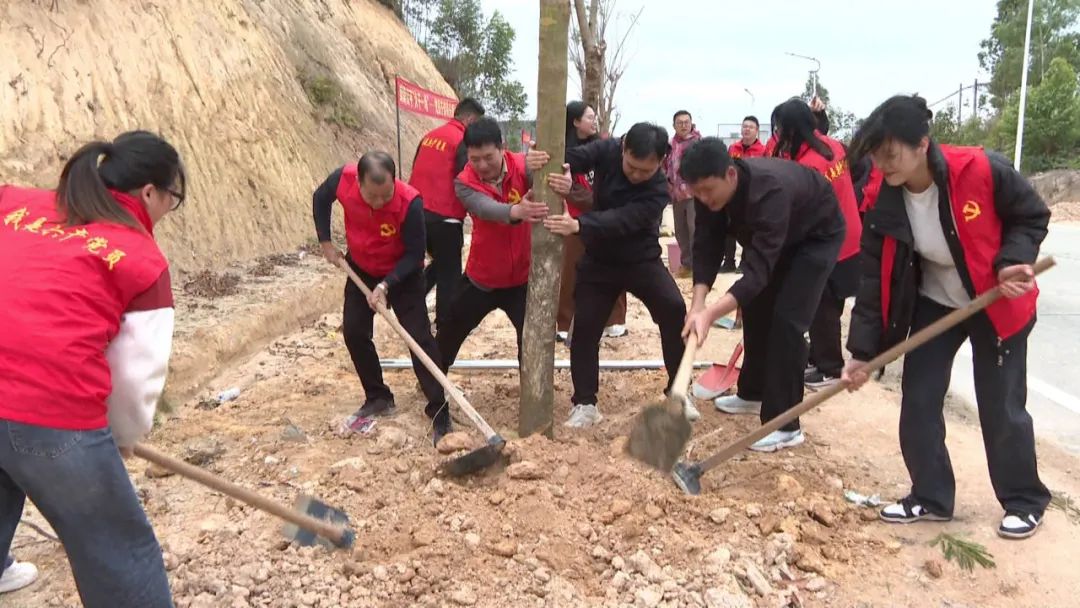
682 123
178 199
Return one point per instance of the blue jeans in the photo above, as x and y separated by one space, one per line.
78 482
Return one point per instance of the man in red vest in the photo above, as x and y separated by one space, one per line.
439 158
384 229
493 187
948 224
747 147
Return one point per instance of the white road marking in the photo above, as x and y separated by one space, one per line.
1041 387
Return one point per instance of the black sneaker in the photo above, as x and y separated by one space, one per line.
818 380
441 426
1017 525
728 268
909 511
372 408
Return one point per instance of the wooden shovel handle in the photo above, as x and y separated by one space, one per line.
208 479
451 391
916 340
686 365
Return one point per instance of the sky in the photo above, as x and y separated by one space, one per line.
703 55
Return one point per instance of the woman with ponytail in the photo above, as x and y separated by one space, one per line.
799 139
948 224
87 311
581 128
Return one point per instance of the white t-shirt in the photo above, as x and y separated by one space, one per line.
940 279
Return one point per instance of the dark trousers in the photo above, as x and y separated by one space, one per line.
826 352
470 306
774 323
729 252
78 482
1001 392
598 286
444 243
406 299
573 251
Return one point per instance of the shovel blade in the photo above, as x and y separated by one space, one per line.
475 461
659 435
687 477
309 505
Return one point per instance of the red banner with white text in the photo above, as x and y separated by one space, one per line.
419 100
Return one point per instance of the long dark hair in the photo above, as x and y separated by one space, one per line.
796 124
131 161
574 111
904 118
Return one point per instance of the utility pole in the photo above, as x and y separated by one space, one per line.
960 106
813 73
1023 89
537 372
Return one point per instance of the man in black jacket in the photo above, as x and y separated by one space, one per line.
622 253
949 224
789 223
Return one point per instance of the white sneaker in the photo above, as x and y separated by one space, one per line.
908 510
690 410
583 415
778 440
734 404
615 331
1017 525
17 576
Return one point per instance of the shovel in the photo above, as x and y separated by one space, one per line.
311 522
719 378
476 460
661 430
688 476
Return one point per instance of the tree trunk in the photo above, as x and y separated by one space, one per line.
538 344
592 51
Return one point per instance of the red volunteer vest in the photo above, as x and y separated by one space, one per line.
373 235
978 228
738 150
770 146
872 188
500 254
838 173
583 180
433 170
63 291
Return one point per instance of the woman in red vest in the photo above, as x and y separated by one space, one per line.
581 128
87 311
799 140
948 224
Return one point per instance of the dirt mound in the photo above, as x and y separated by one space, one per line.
210 284
1059 186
263 100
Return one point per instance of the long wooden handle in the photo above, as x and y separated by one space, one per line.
916 340
451 391
208 479
686 365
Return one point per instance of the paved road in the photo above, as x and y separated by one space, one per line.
1054 346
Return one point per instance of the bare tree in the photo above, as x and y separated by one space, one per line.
598 70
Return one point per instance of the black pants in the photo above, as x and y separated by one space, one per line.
774 323
598 286
1001 392
406 299
444 242
729 252
470 306
826 352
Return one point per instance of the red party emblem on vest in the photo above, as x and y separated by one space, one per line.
387 230
971 210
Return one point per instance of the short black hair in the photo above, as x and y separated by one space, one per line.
645 139
680 113
904 118
707 157
482 132
378 165
468 107
752 119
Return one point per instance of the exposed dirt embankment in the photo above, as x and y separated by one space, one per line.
263 98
